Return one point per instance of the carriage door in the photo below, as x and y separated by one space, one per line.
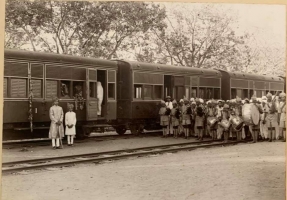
91 94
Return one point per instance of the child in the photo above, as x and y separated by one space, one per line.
70 121
56 131
164 118
175 114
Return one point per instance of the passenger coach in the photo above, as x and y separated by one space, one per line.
245 85
141 86
71 79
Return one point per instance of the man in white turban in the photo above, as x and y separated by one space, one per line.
271 118
263 127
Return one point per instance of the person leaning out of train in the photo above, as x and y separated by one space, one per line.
282 109
56 131
219 109
164 113
70 122
186 112
270 118
211 115
263 126
175 114
168 104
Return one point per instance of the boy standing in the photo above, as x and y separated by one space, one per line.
70 122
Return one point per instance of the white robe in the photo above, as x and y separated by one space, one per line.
100 96
56 114
70 119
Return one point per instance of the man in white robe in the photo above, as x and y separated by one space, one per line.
56 131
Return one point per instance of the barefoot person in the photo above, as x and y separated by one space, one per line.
56 131
70 122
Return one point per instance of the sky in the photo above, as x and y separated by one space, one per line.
266 22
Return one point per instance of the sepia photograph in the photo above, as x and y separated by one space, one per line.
141 100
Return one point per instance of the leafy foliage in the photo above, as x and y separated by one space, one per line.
97 29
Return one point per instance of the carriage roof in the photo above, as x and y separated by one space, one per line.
172 69
53 57
246 76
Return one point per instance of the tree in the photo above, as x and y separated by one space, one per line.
198 38
98 29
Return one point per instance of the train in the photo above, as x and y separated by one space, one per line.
132 91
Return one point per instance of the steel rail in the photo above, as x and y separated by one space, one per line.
8 167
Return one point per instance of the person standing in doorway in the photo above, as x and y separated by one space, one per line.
56 131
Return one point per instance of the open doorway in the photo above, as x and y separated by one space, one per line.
167 86
102 92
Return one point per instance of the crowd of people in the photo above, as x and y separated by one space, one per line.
219 119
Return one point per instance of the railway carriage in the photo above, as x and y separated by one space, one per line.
141 86
71 79
132 91
245 85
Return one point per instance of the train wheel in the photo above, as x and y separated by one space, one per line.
134 129
121 130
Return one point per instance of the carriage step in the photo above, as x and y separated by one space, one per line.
34 128
97 126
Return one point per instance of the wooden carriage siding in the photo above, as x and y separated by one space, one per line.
246 84
136 87
47 72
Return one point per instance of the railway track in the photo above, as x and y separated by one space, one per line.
63 161
46 142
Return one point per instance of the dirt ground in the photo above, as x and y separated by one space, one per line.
244 171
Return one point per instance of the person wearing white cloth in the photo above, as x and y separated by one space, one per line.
56 131
70 122
169 105
100 96
263 127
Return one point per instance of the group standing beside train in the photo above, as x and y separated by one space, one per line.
221 119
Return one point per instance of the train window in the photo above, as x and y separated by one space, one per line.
65 89
51 89
5 87
244 94
157 92
78 88
179 92
37 86
239 93
201 93
187 92
111 91
233 93
209 93
147 91
138 91
92 90
263 93
251 92
193 92
18 88
216 93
